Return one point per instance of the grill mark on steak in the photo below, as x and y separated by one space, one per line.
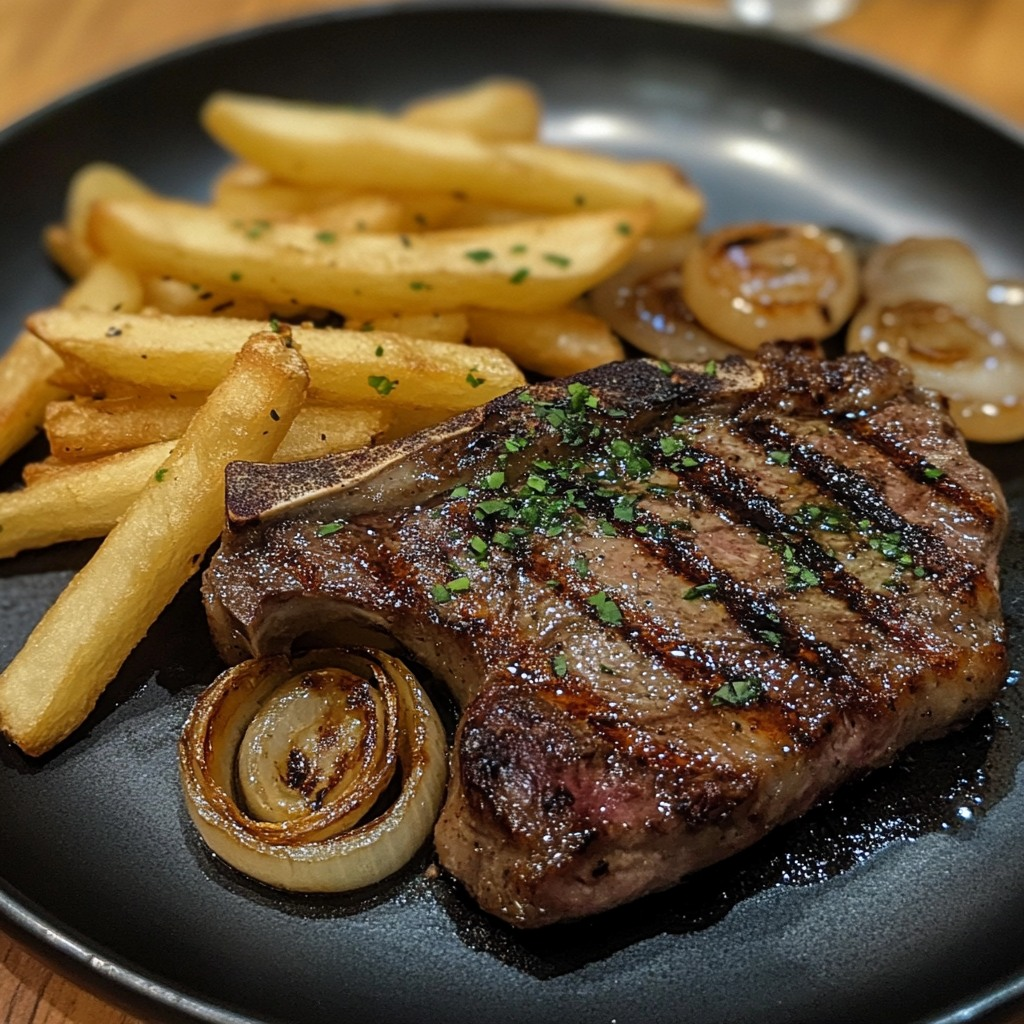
583 783
950 572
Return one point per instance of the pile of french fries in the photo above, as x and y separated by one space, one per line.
409 266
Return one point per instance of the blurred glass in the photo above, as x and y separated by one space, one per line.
791 15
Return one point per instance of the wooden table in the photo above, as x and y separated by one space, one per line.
48 47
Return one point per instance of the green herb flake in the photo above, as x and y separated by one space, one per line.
379 351
701 590
933 473
779 458
581 566
382 385
473 381
557 260
477 545
440 593
479 255
460 492
327 237
420 286
665 367
738 692
711 368
607 610
670 446
559 665
161 474
458 585
494 480
519 276
235 275
326 529
624 228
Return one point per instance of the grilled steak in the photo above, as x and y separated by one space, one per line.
677 605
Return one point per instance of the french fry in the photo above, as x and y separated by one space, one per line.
75 501
336 146
182 298
557 344
86 430
81 642
67 501
451 327
27 367
497 109
182 354
249 191
530 265
79 430
25 390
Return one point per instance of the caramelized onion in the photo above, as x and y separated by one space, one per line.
753 283
285 764
643 304
928 304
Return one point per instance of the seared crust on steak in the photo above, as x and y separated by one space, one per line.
677 604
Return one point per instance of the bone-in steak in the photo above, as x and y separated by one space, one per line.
678 605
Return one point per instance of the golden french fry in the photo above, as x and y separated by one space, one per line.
498 109
183 354
81 642
27 367
536 264
557 344
248 191
182 298
75 501
66 243
71 254
105 287
335 146
25 390
80 430
451 327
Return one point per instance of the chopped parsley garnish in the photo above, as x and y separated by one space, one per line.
326 529
479 255
382 385
161 474
559 665
701 590
327 237
711 368
933 473
557 260
473 381
519 276
440 593
494 480
779 458
738 692
420 286
607 610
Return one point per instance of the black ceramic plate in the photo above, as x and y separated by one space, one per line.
902 899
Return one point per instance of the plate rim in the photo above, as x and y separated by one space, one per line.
131 988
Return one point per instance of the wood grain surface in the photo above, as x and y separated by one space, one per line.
49 47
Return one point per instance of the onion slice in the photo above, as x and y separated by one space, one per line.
643 304
761 282
929 304
285 762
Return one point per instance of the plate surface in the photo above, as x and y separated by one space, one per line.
900 900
